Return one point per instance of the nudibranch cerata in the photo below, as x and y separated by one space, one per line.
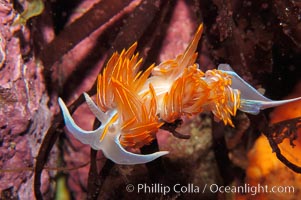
132 105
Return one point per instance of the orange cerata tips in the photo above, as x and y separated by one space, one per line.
132 105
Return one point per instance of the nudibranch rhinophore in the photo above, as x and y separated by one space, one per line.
132 105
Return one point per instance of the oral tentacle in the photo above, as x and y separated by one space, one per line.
132 105
110 145
86 137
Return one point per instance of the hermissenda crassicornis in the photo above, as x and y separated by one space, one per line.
132 105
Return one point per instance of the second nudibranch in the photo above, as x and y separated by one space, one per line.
132 105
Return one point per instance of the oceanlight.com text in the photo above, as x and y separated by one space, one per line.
158 188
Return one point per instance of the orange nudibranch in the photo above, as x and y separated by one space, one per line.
132 105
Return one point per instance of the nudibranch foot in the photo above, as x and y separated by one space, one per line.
133 105
113 150
254 106
251 100
106 137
